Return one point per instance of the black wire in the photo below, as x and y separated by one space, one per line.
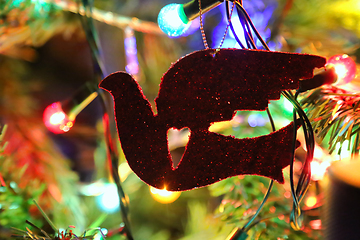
246 35
246 28
304 179
248 225
109 128
241 8
92 40
251 44
113 156
231 25
305 175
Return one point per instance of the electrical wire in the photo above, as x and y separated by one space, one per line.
299 192
231 25
271 183
229 16
109 127
241 233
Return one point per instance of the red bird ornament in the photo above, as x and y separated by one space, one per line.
201 88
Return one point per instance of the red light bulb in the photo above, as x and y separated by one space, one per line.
56 120
345 68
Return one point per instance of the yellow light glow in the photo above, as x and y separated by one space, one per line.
57 118
164 196
124 170
221 208
318 169
311 201
318 152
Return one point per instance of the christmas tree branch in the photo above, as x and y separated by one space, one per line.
334 115
109 18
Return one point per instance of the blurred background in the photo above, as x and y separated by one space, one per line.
45 57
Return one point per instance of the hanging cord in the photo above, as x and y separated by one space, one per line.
202 27
109 126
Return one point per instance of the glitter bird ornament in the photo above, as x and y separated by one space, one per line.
201 88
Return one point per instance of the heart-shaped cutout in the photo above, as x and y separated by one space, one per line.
177 141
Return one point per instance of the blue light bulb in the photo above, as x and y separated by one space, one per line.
109 201
172 20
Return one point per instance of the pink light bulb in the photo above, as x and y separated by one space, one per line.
345 68
56 120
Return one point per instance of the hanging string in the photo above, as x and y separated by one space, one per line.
202 27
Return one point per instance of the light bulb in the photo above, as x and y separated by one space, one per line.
345 68
132 63
164 196
59 117
318 169
172 20
109 201
56 120
311 201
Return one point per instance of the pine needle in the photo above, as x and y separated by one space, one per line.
335 115
46 217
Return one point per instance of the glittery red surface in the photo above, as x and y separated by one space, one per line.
199 89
